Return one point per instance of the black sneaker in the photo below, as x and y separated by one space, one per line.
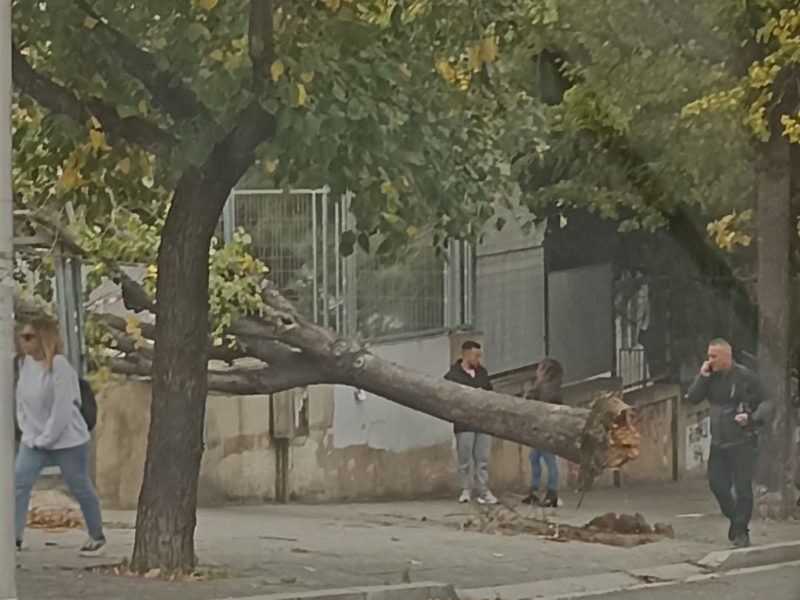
531 498
742 540
93 547
550 500
733 532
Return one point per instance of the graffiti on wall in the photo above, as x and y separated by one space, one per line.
698 442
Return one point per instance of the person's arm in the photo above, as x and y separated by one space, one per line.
698 391
67 393
762 407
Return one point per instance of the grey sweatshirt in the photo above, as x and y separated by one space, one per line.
48 406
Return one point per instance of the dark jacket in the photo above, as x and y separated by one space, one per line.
457 374
730 393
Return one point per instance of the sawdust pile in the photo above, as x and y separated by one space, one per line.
625 531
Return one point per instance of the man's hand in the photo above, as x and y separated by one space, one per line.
742 419
705 369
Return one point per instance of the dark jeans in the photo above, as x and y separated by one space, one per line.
730 475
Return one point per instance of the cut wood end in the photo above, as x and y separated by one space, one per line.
610 438
623 439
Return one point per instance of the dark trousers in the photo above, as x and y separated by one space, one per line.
730 475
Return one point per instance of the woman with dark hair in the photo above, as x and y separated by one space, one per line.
54 431
546 388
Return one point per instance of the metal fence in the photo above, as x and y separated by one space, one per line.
297 234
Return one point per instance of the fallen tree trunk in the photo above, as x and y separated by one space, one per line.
293 352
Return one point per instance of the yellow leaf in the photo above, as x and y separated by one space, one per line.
475 57
387 188
270 165
307 77
488 50
301 95
405 70
332 4
217 55
207 4
143 107
411 231
124 165
276 70
90 22
445 70
406 181
144 165
95 123
69 176
96 139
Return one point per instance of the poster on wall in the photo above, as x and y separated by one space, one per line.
698 443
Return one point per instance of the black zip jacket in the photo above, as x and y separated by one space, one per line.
457 374
729 393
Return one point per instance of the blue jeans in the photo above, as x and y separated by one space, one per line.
74 465
536 469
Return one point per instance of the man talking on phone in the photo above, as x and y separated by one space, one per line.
738 407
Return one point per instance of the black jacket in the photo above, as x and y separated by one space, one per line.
729 393
457 374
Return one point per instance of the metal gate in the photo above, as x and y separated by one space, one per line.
297 234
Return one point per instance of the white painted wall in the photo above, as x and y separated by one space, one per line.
384 425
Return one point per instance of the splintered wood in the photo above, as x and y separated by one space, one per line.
625 531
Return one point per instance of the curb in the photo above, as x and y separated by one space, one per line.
607 583
407 591
755 556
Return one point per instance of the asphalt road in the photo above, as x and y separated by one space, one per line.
776 583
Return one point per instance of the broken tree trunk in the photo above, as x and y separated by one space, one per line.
295 353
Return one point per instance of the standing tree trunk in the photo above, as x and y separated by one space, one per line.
776 471
166 519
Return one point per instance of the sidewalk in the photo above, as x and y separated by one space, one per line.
278 549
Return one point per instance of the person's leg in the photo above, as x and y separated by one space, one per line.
744 459
27 467
464 443
74 465
482 453
536 468
551 462
720 480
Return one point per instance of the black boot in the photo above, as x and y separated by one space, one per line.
733 531
550 500
531 498
742 537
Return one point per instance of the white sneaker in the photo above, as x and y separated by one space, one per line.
465 497
93 548
487 498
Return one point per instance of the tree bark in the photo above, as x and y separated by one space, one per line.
165 520
776 472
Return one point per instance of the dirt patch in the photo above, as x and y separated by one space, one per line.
624 531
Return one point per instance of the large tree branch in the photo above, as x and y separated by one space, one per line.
298 372
167 89
60 100
261 38
737 58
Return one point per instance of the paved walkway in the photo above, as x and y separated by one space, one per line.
271 549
